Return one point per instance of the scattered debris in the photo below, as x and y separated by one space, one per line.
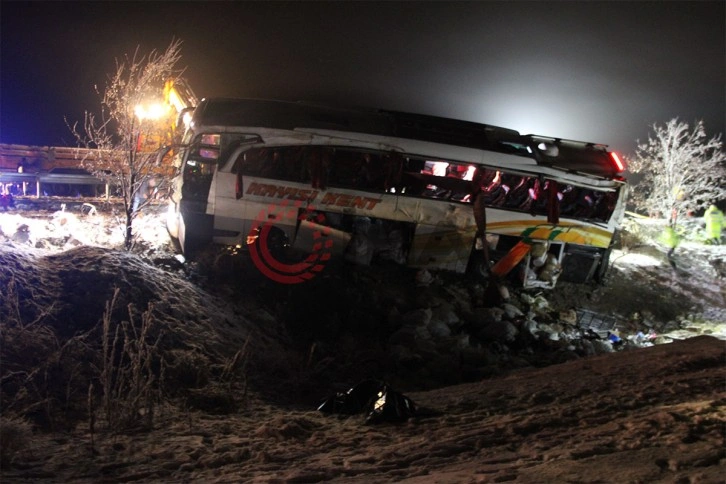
596 323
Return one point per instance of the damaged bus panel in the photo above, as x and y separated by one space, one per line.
384 185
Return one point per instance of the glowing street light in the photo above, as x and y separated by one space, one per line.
151 111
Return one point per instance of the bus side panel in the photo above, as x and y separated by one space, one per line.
571 231
232 217
311 233
436 247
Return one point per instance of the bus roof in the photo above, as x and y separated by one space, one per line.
568 155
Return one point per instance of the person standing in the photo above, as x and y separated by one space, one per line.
670 238
714 223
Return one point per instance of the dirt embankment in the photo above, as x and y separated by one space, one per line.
215 374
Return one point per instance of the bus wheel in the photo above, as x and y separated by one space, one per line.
477 267
278 243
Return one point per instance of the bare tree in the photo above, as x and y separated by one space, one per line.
132 123
681 170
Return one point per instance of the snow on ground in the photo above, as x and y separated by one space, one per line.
653 415
240 391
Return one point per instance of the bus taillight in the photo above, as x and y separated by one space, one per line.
619 165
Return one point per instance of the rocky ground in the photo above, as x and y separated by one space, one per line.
229 366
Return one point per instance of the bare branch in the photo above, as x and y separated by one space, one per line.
117 132
681 170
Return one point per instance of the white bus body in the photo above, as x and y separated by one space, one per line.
393 186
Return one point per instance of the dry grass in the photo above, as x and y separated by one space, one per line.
127 374
114 376
15 436
40 372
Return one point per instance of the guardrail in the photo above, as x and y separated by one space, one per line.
39 179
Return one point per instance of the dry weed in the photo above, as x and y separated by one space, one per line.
127 376
15 435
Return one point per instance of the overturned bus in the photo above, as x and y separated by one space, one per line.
279 177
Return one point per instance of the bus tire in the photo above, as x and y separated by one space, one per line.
278 244
477 267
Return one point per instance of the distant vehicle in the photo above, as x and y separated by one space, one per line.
393 185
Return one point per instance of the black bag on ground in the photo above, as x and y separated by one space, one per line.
378 400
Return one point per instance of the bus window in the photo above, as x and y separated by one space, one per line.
392 167
358 169
292 166
274 163
372 175
251 162
197 178
518 194
583 203
605 206
318 160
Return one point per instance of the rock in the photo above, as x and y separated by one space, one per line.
394 316
548 332
540 305
670 326
483 316
477 357
512 311
426 348
439 329
72 242
518 362
21 237
462 341
530 326
602 346
404 357
422 332
459 298
418 317
424 278
406 336
503 331
568 316
586 347
446 315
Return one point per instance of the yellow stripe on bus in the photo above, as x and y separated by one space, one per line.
566 232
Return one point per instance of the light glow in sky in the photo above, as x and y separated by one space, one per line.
601 72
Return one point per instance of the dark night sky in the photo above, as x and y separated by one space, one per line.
591 71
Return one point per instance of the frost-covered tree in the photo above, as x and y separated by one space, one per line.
133 121
682 170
